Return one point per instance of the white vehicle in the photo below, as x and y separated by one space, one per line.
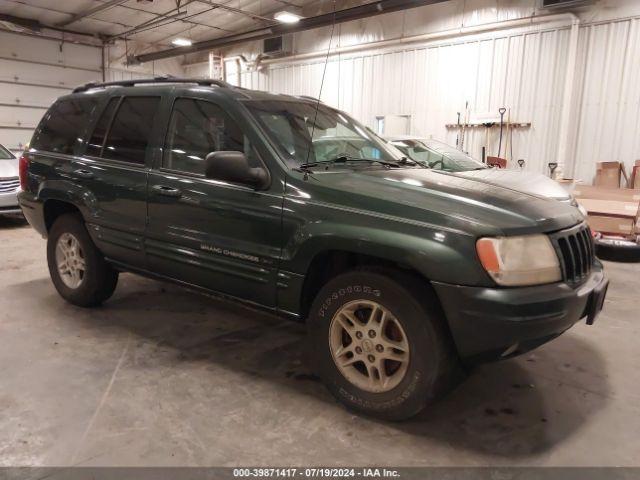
9 183
440 156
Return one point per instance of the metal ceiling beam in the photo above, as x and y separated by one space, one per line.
91 11
156 22
340 16
37 26
169 17
236 10
191 22
33 25
161 41
48 9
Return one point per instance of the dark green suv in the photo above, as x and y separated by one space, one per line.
402 273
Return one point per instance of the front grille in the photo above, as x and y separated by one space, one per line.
576 252
9 184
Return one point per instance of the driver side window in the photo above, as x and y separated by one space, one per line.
196 129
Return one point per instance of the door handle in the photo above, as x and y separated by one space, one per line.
167 191
82 173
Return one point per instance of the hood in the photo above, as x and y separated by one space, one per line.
472 205
8 168
531 183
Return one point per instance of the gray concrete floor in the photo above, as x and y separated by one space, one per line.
163 376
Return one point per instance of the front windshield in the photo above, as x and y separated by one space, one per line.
290 124
5 154
438 155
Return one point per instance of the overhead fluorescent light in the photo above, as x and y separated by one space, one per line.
287 17
181 42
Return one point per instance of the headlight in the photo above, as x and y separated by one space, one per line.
580 208
521 260
583 211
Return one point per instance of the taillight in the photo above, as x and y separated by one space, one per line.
23 167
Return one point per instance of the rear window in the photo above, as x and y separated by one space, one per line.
63 125
130 130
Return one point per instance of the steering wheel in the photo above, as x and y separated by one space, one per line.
433 165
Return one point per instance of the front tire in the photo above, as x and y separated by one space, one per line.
77 268
380 347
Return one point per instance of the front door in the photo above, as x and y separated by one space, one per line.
221 236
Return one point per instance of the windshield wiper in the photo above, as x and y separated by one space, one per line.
349 158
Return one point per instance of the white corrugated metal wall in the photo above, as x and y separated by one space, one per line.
523 69
432 83
607 119
33 73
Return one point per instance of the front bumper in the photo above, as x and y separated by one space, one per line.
492 323
9 203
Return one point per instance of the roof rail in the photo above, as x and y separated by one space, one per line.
146 81
309 97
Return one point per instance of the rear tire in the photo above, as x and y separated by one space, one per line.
77 268
394 371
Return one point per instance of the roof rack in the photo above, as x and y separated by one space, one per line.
309 97
146 81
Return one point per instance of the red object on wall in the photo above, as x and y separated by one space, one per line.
497 162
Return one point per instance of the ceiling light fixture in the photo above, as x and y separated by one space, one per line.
181 42
287 17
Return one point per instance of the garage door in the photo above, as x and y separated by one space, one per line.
33 73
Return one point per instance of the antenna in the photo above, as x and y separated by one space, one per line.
324 71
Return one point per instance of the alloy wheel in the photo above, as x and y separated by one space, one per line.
369 346
70 260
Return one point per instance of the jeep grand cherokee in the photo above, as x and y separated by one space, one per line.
401 272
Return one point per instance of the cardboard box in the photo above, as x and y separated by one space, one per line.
612 208
607 174
601 193
612 225
611 216
635 176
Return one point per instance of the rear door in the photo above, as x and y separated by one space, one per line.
222 236
115 167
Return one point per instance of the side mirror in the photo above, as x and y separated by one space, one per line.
233 167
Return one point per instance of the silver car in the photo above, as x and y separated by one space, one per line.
440 156
9 183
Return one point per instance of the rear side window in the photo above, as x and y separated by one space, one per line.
130 130
63 125
198 128
94 147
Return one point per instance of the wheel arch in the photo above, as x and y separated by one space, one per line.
53 208
331 249
327 264
60 197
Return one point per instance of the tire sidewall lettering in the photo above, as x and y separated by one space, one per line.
384 405
342 292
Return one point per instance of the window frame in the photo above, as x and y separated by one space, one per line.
148 159
152 128
107 131
165 146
